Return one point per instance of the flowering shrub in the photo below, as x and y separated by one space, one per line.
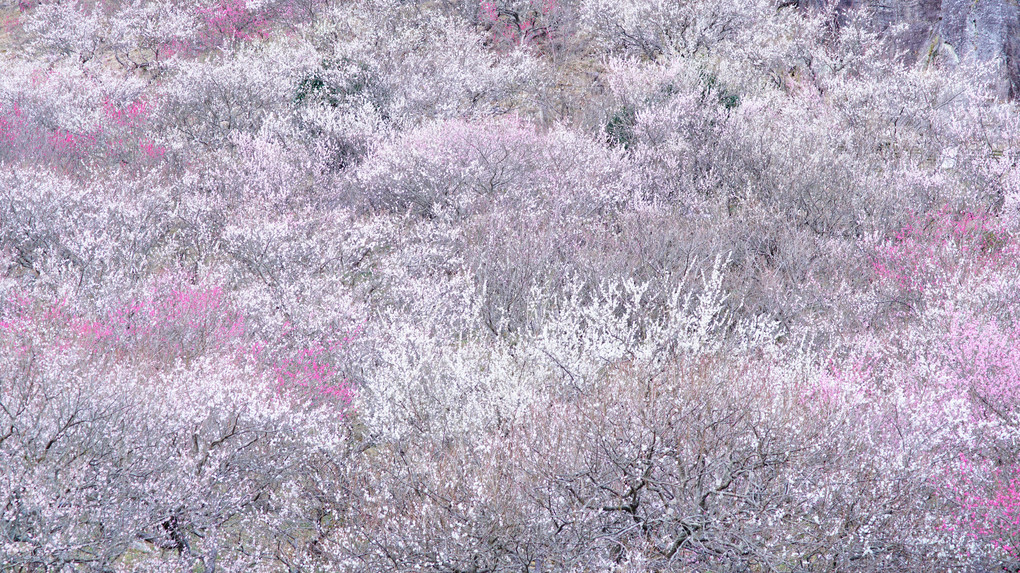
177 325
232 21
518 24
933 252
10 124
161 396
989 503
962 384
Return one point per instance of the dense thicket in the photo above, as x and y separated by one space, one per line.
511 285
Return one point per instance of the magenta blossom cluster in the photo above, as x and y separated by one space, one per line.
517 27
931 250
175 325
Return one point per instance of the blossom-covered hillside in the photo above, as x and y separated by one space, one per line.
510 285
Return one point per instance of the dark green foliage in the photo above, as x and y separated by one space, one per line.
620 127
337 82
714 90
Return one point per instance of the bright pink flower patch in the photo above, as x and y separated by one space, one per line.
988 501
517 28
935 251
231 21
178 324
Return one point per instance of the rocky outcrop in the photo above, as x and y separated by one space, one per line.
984 30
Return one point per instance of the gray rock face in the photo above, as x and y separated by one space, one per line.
984 30
976 28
